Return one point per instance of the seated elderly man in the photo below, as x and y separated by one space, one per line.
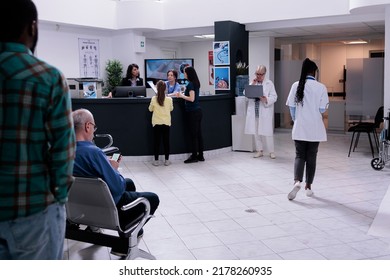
92 162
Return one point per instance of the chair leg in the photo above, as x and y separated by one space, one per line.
376 138
350 146
372 148
356 141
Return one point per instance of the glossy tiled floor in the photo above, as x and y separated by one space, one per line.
233 206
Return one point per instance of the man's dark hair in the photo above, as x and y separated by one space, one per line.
15 15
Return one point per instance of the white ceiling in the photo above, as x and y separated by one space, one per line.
330 29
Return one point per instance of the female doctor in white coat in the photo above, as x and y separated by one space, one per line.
260 115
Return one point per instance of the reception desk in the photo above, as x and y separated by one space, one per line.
128 120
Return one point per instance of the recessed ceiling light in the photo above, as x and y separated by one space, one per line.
354 42
209 36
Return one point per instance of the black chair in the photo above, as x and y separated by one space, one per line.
90 203
369 128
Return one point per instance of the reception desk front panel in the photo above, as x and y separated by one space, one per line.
128 120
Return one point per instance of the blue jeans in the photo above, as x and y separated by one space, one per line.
36 237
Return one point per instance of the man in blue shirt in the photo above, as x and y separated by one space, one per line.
92 162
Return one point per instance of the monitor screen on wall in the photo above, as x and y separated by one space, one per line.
156 69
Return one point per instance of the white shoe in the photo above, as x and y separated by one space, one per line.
309 192
295 190
167 162
272 155
258 154
156 163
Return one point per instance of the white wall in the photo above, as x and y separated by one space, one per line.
262 52
58 45
200 51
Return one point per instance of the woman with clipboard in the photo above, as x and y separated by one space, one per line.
260 114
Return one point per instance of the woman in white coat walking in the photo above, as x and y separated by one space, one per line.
260 115
308 100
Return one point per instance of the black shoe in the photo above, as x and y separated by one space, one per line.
191 159
140 233
200 157
93 229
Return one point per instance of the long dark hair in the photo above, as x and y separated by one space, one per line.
192 76
161 92
308 68
129 74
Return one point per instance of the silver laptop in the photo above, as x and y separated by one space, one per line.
253 91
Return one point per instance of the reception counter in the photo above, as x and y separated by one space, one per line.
128 120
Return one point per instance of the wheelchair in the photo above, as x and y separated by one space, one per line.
383 158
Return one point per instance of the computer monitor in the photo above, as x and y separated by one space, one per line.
129 91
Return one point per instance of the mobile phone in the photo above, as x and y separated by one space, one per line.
116 156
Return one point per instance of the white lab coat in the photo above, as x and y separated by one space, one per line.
309 125
266 112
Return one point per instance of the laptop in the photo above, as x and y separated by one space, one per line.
253 91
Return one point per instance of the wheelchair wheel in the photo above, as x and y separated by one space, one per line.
377 164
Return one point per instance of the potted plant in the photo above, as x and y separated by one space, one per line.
114 72
242 68
242 77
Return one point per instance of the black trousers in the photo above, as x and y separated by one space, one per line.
161 132
305 155
130 194
195 126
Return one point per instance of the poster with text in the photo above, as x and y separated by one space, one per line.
89 58
221 53
222 78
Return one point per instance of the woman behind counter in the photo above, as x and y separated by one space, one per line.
132 76
172 85
193 113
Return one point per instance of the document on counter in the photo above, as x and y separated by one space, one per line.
152 86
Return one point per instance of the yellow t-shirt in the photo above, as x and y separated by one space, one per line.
161 114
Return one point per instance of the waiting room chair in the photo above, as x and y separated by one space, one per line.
108 149
369 128
90 203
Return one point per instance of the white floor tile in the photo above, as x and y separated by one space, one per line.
233 206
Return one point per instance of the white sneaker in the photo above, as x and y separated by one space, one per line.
272 155
309 192
295 190
258 154
156 163
167 162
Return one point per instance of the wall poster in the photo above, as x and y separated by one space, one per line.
222 78
221 53
89 58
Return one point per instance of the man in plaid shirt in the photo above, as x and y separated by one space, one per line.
37 141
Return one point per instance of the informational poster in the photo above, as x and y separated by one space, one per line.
89 58
221 53
89 89
211 68
222 78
